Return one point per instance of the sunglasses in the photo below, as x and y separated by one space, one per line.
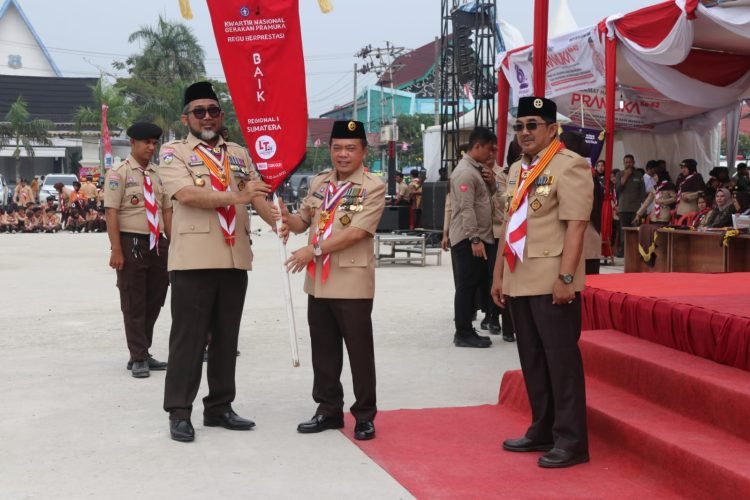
530 126
200 113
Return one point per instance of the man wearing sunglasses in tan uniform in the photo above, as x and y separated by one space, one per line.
211 182
539 274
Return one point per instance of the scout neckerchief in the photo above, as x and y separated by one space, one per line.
515 236
657 197
679 190
152 212
217 161
325 225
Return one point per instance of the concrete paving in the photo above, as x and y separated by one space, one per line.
75 424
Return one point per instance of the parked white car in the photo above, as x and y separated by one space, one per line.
48 186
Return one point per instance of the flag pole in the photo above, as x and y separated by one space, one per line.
287 288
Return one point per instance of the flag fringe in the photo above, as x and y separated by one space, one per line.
185 10
325 6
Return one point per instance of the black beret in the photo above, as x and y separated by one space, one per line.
144 130
537 106
51 197
200 90
348 130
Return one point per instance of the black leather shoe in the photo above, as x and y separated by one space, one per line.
181 430
153 364
320 423
229 420
509 337
364 430
558 458
140 369
471 339
494 328
484 324
525 444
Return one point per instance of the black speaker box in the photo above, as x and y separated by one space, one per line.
433 204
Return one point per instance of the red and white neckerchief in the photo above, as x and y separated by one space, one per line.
657 197
515 236
152 210
679 190
325 225
217 161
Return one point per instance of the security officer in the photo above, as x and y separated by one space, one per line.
343 212
210 181
550 193
132 210
471 234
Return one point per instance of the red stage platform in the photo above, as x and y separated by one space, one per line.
707 315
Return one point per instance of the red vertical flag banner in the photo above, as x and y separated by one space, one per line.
106 141
260 44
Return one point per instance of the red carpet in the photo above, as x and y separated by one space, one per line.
702 314
663 424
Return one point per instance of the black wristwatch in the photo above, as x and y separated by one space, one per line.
566 278
476 240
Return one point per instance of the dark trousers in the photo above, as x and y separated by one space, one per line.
143 283
492 310
331 321
626 220
203 300
471 278
547 336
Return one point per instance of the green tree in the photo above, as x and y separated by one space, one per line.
410 132
117 108
171 53
24 132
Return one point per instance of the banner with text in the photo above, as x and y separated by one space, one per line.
260 45
574 61
594 140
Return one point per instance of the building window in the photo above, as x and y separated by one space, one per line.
14 61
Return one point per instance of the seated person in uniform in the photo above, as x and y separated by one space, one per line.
3 221
705 213
22 219
76 222
11 219
723 210
741 201
51 223
35 220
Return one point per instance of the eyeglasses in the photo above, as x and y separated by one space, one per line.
530 126
200 113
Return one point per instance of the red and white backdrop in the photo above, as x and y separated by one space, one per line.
682 66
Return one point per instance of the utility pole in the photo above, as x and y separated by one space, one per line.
382 61
436 79
354 102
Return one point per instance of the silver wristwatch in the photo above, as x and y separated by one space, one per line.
317 251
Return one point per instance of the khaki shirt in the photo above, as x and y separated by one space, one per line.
123 191
352 271
571 197
471 207
197 239
499 200
404 193
89 190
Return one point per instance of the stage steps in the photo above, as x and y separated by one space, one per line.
686 417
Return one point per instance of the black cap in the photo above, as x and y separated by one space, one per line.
144 130
89 177
537 106
200 90
51 197
348 130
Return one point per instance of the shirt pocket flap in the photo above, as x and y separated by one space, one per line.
550 248
352 258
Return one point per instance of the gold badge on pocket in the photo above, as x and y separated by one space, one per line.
345 220
536 205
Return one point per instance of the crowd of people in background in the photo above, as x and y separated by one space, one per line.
76 209
650 195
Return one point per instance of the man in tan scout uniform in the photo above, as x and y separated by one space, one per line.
138 256
470 234
342 211
211 181
88 188
541 272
